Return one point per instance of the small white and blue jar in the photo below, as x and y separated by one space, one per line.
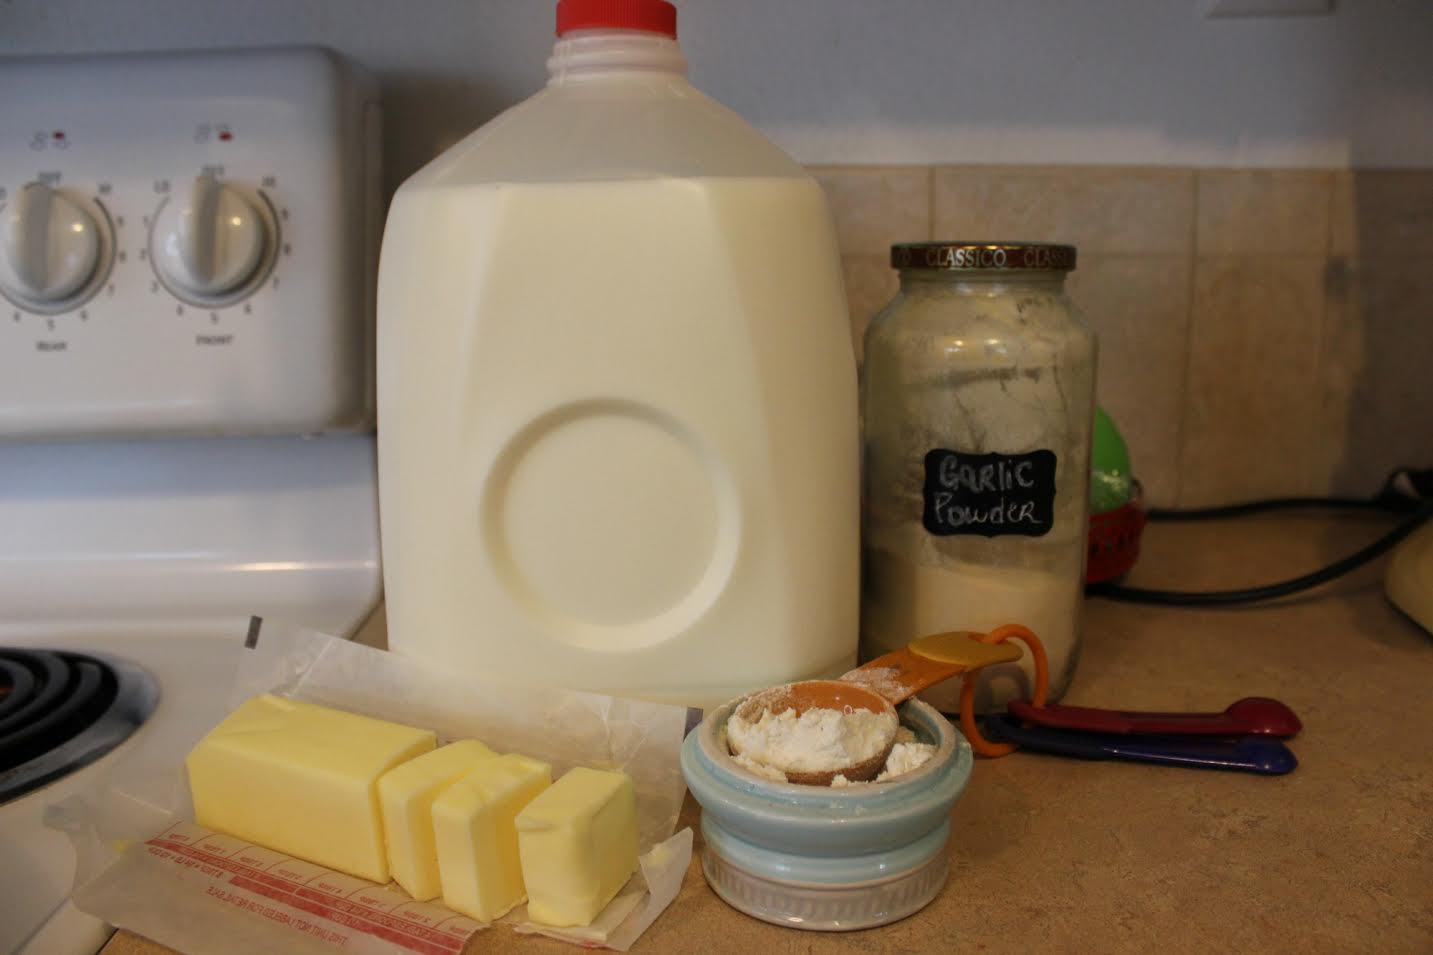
821 858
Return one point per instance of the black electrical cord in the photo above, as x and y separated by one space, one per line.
1272 504
1401 493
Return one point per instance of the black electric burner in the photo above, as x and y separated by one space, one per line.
61 711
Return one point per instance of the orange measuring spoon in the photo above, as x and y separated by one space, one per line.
877 686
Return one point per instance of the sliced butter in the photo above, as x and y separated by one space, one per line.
406 794
302 779
476 838
578 842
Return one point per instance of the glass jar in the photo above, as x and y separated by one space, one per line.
977 396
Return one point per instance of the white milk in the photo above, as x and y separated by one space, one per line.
617 401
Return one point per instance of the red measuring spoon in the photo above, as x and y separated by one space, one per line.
1251 716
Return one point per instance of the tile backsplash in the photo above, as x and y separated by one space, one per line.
1262 332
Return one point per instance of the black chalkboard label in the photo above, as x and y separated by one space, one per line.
989 494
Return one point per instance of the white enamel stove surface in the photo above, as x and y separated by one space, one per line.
187 245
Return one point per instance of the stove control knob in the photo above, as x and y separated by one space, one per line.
50 249
212 245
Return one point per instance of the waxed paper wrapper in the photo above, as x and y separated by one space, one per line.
131 874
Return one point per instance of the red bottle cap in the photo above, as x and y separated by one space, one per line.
654 16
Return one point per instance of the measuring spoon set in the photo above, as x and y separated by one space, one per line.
1246 736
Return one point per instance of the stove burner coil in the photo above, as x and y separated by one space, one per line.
61 711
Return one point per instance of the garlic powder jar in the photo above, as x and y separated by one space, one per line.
977 399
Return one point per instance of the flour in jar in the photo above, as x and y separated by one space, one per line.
906 758
913 590
816 741
770 743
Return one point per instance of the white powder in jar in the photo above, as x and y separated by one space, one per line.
761 769
973 369
906 758
817 741
770 744
907 598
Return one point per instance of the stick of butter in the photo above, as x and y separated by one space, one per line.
406 794
476 839
302 779
578 842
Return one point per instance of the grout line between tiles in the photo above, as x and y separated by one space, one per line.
1181 427
1320 465
930 203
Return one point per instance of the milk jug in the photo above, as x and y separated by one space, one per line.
618 440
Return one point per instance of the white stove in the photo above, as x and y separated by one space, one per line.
186 257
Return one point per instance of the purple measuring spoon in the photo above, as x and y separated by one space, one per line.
1251 716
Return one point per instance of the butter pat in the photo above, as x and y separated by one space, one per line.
302 779
578 842
473 822
406 795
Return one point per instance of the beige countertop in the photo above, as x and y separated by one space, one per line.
1051 854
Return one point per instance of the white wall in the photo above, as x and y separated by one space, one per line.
890 81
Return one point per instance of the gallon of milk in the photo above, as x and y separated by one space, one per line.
618 440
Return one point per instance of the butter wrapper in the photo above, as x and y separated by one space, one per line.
142 864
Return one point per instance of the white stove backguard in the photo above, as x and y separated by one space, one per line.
187 244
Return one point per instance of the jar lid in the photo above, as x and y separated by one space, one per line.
983 256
